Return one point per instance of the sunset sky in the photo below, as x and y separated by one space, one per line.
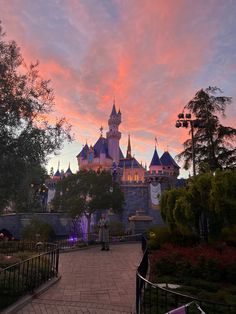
151 55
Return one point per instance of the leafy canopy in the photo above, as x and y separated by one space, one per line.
86 192
206 205
27 136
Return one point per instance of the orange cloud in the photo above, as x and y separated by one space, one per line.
152 56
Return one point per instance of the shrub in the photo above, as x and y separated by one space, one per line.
6 261
187 239
230 273
38 231
158 236
229 235
198 262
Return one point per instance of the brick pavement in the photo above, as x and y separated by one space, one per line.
93 282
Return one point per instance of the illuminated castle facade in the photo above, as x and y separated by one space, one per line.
107 154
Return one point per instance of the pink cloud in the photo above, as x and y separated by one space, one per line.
152 56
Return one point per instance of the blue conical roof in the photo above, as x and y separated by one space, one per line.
84 151
101 147
167 160
68 171
57 174
155 159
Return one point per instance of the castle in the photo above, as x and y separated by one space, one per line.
142 188
107 154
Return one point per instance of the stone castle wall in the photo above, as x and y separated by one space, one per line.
16 222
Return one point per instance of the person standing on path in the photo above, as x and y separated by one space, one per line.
103 226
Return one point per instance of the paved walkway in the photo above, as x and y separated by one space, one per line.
93 281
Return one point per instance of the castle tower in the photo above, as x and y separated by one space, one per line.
113 135
155 165
128 154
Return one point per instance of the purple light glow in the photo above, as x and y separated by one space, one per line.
73 239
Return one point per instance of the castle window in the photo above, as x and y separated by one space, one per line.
129 177
90 157
136 177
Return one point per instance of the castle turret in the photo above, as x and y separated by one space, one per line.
155 165
113 135
169 165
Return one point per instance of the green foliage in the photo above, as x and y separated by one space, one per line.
27 198
6 261
223 196
87 192
38 231
214 143
158 236
204 207
229 235
26 135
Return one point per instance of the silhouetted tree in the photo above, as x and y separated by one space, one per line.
87 192
26 135
214 143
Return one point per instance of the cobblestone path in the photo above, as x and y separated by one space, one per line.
93 281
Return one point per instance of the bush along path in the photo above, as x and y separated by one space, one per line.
204 272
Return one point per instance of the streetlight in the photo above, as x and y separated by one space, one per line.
184 121
200 122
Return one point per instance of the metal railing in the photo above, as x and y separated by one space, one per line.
24 277
153 299
93 238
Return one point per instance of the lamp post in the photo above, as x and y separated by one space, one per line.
184 120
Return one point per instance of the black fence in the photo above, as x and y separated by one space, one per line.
24 277
93 238
153 299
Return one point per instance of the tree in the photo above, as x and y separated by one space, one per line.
28 197
38 230
204 207
223 198
86 192
26 135
214 143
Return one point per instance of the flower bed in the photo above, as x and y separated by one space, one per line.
202 271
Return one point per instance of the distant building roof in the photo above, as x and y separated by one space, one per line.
129 163
167 160
101 146
84 151
155 159
68 171
121 154
57 174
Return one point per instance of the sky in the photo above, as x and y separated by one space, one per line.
152 56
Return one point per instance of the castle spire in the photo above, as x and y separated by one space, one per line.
128 154
114 112
101 131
